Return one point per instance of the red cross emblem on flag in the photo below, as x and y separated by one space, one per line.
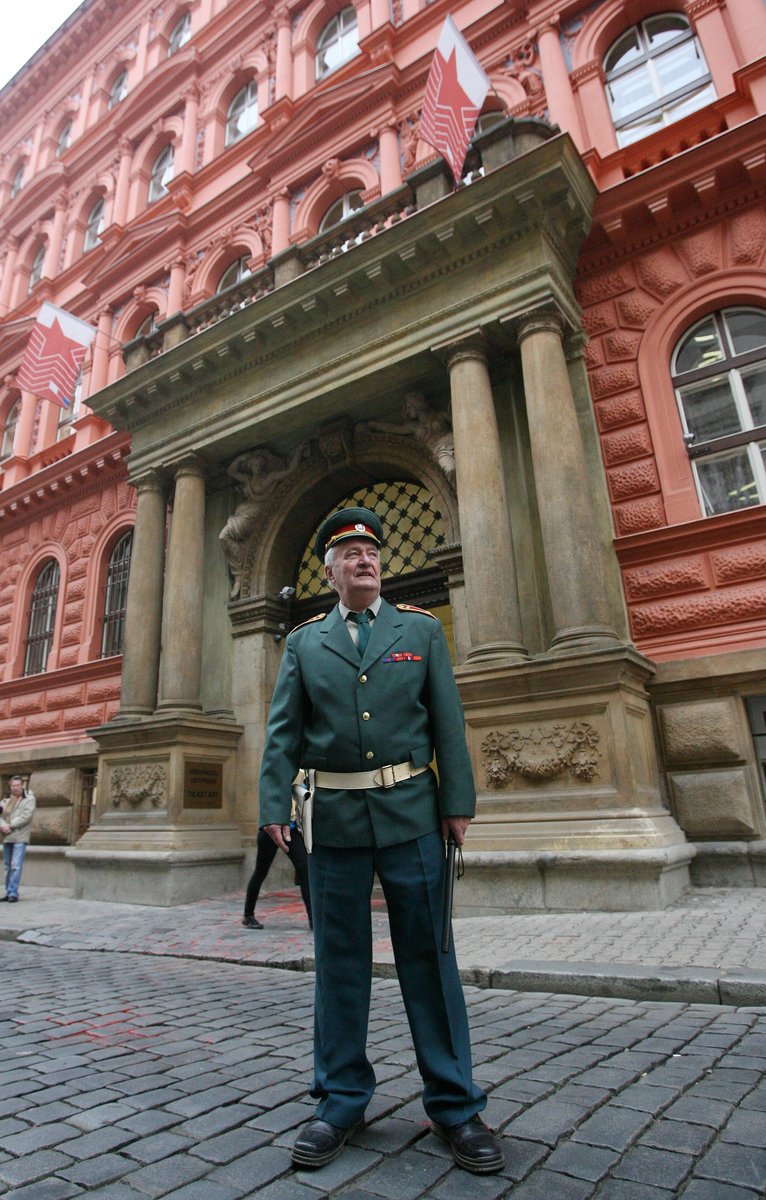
54 355
455 91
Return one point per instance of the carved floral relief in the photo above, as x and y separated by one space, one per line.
542 753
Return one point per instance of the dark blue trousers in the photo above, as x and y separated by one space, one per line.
412 877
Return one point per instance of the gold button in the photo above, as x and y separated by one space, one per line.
369 754
365 716
362 678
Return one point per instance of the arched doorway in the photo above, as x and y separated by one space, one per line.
415 528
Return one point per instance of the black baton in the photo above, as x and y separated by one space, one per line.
449 891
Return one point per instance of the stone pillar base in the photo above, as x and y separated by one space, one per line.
164 831
531 881
569 811
161 878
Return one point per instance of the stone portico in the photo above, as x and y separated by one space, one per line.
468 300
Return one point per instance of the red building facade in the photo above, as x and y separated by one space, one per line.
161 167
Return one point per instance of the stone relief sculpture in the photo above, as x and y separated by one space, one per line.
541 754
144 785
257 473
428 426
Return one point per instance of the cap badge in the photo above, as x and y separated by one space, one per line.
359 527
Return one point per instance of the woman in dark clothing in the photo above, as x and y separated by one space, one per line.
265 856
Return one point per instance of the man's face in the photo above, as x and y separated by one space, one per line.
17 787
355 572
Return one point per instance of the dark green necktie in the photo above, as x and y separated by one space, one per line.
363 624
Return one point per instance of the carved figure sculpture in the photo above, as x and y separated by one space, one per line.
257 473
428 426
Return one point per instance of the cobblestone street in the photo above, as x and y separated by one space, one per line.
128 1076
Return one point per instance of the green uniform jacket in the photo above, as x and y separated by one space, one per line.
399 703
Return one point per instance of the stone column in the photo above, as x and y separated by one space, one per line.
9 267
573 555
390 164
22 441
558 89
280 222
177 268
99 371
57 235
188 147
180 666
284 65
494 615
143 616
122 187
747 19
708 20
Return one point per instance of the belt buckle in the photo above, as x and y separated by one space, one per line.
387 776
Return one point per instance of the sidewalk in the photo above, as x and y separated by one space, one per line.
709 947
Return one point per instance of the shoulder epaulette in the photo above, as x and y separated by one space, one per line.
310 621
414 608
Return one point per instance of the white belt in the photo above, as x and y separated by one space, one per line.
386 777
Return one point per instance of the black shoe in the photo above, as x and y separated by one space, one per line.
318 1143
12 899
474 1147
251 923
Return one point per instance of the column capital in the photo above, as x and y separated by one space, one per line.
470 347
545 319
191 465
151 481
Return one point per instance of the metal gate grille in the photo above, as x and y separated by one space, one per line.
413 524
116 596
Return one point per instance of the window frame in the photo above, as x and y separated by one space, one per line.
157 187
64 139
119 89
326 38
115 595
250 90
10 425
92 237
43 602
179 34
731 365
37 268
17 183
243 272
662 104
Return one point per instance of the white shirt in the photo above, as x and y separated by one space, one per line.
352 626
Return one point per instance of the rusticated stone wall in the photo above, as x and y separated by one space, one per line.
71 695
707 591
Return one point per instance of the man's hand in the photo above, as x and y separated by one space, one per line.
455 826
279 834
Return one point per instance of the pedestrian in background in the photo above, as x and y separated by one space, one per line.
16 812
265 855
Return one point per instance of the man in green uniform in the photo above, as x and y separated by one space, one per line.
366 697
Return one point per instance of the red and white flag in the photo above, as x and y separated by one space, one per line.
54 355
455 92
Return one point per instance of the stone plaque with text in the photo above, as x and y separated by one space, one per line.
203 785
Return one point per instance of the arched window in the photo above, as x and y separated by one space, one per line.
18 181
94 225
337 43
349 203
42 618
36 272
179 34
9 430
148 326
655 74
235 273
116 596
119 90
65 137
242 116
719 373
162 173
